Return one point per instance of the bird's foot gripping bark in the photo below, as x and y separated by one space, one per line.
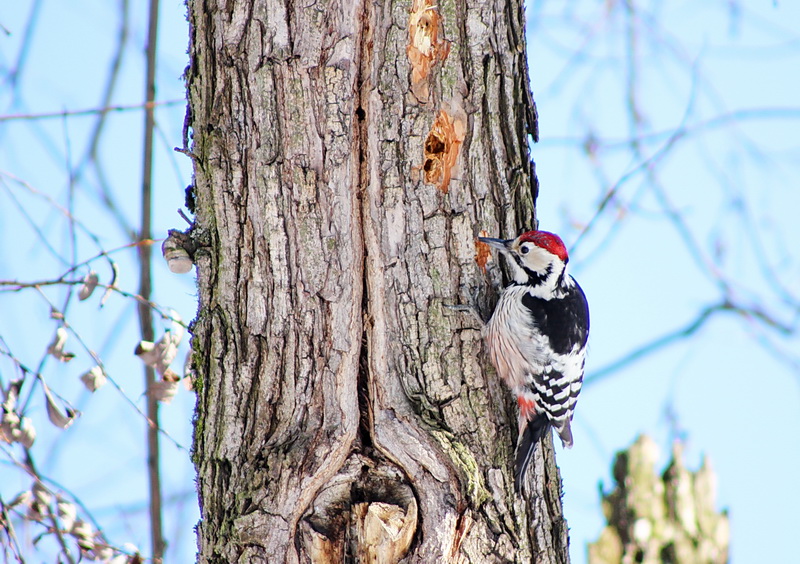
470 308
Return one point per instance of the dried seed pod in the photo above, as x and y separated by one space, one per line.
89 284
23 498
26 433
158 355
67 513
9 426
83 533
41 494
94 379
56 348
164 390
60 419
102 551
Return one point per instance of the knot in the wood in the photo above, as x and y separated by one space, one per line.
366 513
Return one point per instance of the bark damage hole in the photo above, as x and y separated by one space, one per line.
441 148
426 44
483 253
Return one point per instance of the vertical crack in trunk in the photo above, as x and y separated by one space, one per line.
364 56
366 510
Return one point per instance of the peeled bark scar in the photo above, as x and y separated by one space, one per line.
482 251
425 45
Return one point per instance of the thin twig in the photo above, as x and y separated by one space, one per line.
145 284
23 212
91 156
73 237
58 207
8 527
752 313
16 286
631 357
15 73
91 111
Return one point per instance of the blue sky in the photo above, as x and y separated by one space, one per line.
100 458
730 392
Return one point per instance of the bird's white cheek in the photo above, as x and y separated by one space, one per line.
516 271
537 262
520 276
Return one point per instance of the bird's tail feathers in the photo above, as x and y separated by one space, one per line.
533 433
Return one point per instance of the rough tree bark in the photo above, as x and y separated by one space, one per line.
346 156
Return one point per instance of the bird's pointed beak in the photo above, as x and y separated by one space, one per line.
499 244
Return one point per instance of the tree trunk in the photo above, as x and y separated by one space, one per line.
346 156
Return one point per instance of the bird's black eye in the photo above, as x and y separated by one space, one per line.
524 249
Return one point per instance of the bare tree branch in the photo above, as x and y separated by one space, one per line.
102 110
145 282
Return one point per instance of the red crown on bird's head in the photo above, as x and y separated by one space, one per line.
550 242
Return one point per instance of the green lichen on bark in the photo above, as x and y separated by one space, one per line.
464 460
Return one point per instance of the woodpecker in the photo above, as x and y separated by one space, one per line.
537 337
